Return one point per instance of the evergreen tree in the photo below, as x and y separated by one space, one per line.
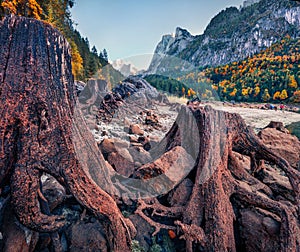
105 54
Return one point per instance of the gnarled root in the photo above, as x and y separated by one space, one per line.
119 231
25 199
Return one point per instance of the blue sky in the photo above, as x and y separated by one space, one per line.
127 28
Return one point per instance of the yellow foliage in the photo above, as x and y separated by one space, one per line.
191 92
292 82
10 6
266 96
34 9
276 95
215 87
29 8
245 91
233 93
283 95
77 61
256 90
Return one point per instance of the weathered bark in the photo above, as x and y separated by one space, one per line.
211 218
37 107
42 131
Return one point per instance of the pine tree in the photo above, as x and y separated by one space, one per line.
105 54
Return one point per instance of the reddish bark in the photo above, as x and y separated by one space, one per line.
212 218
42 132
37 105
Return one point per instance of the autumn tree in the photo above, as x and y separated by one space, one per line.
292 82
27 8
276 95
283 95
77 67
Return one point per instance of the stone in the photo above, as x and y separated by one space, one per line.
87 236
16 237
54 192
282 143
259 232
136 130
120 164
175 164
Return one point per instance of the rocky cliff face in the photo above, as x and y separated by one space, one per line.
230 36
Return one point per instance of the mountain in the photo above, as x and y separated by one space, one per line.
272 75
125 68
232 35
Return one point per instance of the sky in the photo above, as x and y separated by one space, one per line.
130 29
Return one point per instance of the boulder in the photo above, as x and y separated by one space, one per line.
121 164
136 130
87 235
259 232
53 191
107 146
282 143
16 237
277 125
174 164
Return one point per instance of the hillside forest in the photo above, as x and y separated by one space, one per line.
85 60
272 75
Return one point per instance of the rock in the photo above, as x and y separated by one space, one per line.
259 232
16 237
283 144
107 146
121 165
175 164
136 130
223 41
144 231
181 194
278 182
79 86
87 236
133 139
133 85
277 125
140 155
145 141
54 192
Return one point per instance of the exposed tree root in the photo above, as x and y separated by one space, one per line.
208 216
37 115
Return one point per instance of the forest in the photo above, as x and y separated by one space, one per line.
273 75
85 60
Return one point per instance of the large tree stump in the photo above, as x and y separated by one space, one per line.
38 129
228 198
42 131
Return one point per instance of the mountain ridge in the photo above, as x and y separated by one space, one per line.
231 35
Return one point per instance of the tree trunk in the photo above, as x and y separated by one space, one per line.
38 129
226 193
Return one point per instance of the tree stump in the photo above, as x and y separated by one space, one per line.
228 198
42 131
37 129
